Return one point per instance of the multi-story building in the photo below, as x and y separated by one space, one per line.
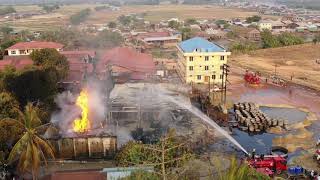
26 48
201 61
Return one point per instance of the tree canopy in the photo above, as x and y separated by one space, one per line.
6 10
9 106
254 18
191 21
284 39
80 17
51 59
108 38
174 24
32 85
112 24
30 149
174 152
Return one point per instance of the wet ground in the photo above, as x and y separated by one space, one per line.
300 106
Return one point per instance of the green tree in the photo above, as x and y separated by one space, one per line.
6 29
186 33
80 17
8 106
269 40
254 18
30 149
221 22
68 37
174 24
5 44
112 24
51 58
191 21
243 47
108 38
7 10
33 85
316 39
50 8
99 8
289 39
169 153
125 20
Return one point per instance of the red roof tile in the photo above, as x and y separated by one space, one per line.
36 45
127 58
76 67
18 62
153 34
78 54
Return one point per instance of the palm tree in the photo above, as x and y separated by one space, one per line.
30 149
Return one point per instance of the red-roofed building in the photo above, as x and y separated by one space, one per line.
126 64
18 62
80 64
79 55
165 39
26 48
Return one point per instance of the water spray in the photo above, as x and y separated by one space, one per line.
209 121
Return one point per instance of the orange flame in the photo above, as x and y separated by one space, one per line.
82 125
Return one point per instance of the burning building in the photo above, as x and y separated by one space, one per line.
82 133
86 147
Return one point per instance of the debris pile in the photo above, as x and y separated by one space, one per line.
252 119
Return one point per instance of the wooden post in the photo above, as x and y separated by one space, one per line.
74 148
163 168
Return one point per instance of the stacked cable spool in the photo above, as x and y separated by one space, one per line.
252 119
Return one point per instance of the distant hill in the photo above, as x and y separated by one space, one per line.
19 2
308 4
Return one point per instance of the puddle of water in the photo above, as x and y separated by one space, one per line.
294 96
263 142
293 115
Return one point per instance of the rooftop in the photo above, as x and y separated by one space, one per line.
153 34
78 54
128 58
17 62
36 45
201 45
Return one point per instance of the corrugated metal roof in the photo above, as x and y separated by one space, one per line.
199 44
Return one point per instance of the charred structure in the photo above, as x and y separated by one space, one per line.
86 147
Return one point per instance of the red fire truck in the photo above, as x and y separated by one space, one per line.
269 165
252 78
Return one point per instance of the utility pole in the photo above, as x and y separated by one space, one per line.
225 72
275 69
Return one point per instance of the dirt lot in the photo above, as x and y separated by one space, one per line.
152 13
297 61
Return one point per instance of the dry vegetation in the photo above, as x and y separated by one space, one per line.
297 61
152 13
45 21
165 12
